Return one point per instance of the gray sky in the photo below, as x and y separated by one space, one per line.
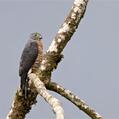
90 67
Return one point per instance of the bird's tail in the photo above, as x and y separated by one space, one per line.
24 84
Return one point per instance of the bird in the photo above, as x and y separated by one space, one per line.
31 58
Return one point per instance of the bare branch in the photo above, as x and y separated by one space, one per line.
68 27
64 34
74 99
55 104
51 59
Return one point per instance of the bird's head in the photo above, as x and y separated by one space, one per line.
36 36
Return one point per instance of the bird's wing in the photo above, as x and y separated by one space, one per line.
28 57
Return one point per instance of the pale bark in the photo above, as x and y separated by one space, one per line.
53 102
74 99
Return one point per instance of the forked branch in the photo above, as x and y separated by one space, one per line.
52 57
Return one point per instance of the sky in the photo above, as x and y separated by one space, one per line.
90 68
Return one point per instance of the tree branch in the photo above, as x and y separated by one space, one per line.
51 59
55 104
74 99
68 27
53 55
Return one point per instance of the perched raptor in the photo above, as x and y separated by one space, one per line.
30 59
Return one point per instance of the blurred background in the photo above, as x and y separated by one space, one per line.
90 67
